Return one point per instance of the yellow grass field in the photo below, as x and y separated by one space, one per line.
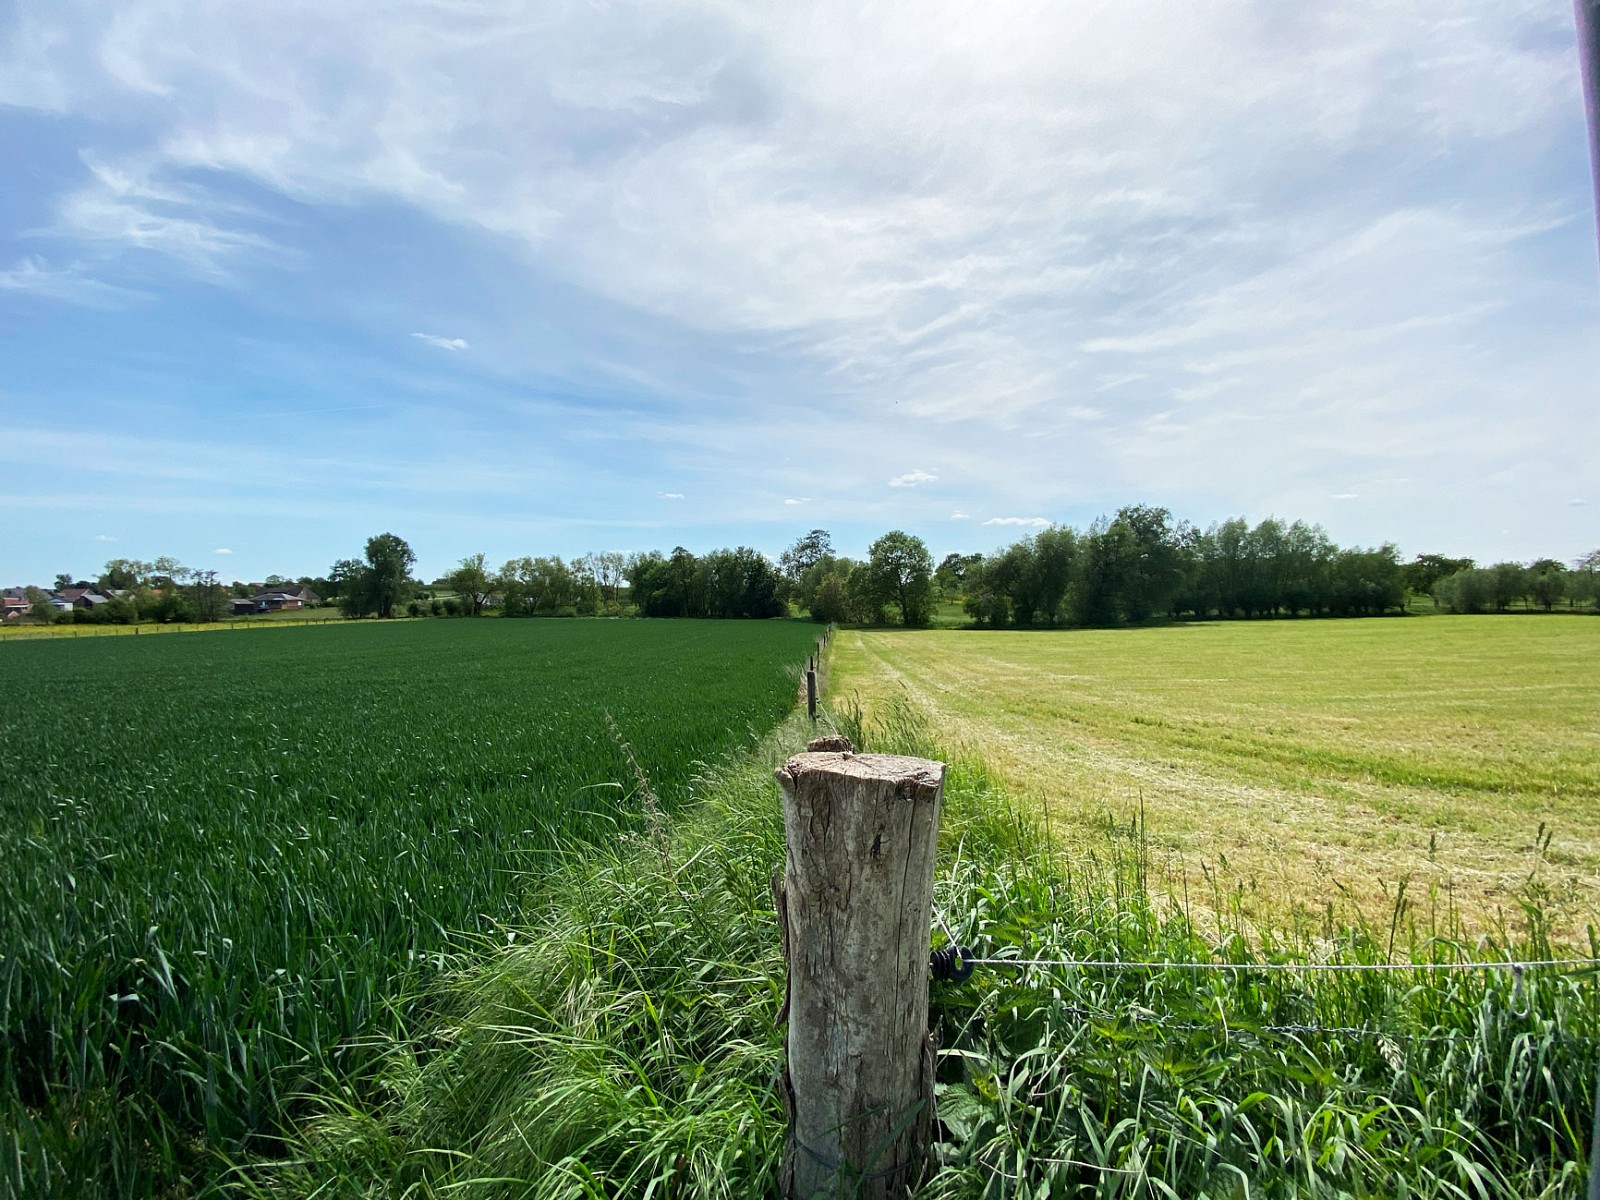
1299 763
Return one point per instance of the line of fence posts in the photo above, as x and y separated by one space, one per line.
854 899
814 665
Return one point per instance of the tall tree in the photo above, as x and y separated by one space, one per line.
1547 582
804 554
470 582
389 563
1149 574
1422 572
207 597
901 573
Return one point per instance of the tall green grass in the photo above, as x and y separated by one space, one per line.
624 1045
225 860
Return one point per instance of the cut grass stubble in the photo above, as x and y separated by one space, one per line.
1295 765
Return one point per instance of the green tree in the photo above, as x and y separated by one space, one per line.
982 598
1467 591
470 581
1422 572
950 577
830 602
1149 574
901 573
347 582
864 597
1583 584
208 599
123 574
1510 583
1547 582
803 555
389 563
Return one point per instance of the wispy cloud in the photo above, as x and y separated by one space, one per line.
129 206
1042 253
794 500
222 550
960 516
1345 496
104 537
672 495
444 343
73 284
1035 522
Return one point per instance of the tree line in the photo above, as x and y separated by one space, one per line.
1139 564
1136 565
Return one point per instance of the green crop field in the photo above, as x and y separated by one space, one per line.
1294 764
223 858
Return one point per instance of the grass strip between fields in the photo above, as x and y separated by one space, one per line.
620 1039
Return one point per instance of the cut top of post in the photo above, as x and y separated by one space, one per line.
913 778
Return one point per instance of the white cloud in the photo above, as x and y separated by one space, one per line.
792 500
1320 240
1345 496
128 205
444 343
960 516
222 550
913 479
1577 503
1035 522
73 284
672 495
104 537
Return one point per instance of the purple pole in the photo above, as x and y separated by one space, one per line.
1588 13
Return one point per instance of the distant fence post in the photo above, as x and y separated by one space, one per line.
855 901
811 695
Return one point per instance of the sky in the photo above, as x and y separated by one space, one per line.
556 277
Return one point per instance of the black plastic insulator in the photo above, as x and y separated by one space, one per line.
951 964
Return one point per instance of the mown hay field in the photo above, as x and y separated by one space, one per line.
1282 767
224 858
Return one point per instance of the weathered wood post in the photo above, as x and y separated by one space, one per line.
811 695
855 904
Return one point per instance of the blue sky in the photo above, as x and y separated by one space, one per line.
560 277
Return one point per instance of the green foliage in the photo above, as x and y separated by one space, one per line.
805 554
950 576
724 583
379 583
389 563
829 603
900 573
623 1043
537 587
1138 565
1421 573
1547 582
470 581
217 884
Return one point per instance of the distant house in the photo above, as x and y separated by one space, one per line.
13 605
279 599
82 597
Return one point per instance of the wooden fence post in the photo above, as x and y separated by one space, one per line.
855 904
811 695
